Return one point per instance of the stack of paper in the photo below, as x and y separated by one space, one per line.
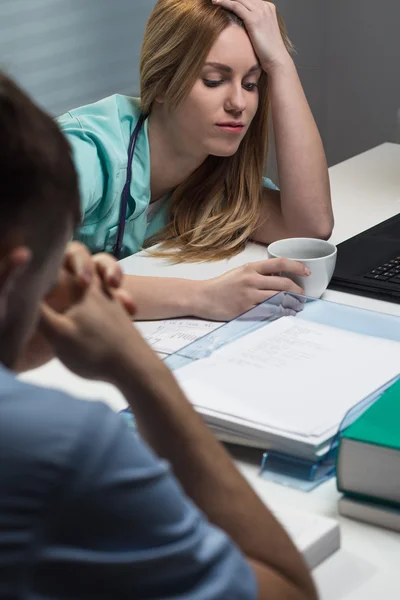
288 385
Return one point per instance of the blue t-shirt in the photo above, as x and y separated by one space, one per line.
88 511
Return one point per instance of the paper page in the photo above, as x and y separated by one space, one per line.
291 375
171 335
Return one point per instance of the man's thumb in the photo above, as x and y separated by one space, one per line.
54 325
126 300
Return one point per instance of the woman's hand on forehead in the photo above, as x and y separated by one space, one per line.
261 22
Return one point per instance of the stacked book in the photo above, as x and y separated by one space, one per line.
368 464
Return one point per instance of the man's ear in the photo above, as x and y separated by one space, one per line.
12 265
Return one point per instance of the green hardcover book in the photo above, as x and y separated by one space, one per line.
368 463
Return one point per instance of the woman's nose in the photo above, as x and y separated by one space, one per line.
236 100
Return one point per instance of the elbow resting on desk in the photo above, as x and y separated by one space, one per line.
321 230
324 227
279 219
273 230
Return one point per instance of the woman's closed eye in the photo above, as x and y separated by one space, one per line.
212 83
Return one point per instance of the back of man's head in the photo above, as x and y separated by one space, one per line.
39 208
38 183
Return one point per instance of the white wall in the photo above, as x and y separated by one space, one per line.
363 92
349 63
306 24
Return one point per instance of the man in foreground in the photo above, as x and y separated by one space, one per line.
87 508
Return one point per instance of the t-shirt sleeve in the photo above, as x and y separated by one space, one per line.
124 528
87 156
269 184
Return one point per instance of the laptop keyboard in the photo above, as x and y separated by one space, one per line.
389 271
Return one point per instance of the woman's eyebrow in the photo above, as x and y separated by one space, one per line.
227 69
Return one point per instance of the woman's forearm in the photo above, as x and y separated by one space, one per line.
303 174
163 297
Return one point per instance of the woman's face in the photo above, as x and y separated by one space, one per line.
216 115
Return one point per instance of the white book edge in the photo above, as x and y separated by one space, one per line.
264 441
368 512
315 537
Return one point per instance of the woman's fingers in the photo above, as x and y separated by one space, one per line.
272 266
238 8
262 24
279 284
293 303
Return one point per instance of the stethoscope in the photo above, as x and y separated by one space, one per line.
125 192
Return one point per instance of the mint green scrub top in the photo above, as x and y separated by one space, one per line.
99 134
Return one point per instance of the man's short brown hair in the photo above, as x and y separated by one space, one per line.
39 193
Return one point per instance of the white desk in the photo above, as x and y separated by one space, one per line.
365 191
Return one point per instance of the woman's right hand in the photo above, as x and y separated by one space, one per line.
225 297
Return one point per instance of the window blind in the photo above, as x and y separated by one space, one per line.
66 53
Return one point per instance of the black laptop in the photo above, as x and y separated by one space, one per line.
368 264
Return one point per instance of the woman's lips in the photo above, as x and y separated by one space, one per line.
231 127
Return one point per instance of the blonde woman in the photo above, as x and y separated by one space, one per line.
183 166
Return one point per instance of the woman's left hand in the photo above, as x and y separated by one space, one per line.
261 21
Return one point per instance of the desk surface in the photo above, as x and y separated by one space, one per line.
365 191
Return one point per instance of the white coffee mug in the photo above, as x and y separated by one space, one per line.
318 255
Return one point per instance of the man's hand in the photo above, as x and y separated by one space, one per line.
93 335
83 266
75 275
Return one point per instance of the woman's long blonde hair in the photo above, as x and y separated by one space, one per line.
214 212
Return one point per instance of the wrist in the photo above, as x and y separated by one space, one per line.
279 67
133 364
193 298
200 304
149 387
